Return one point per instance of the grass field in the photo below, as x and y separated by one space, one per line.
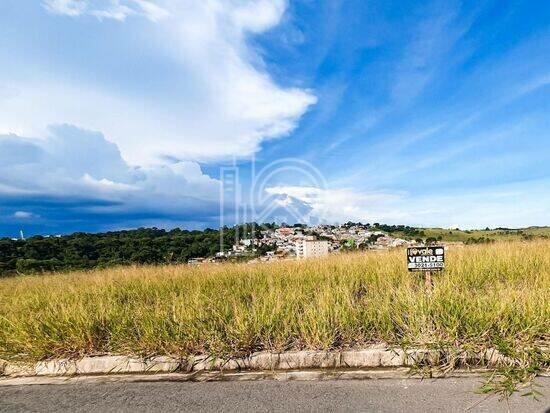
491 234
495 295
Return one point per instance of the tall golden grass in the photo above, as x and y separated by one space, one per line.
491 295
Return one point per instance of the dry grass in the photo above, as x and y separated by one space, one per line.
495 295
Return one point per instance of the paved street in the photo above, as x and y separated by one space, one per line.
453 395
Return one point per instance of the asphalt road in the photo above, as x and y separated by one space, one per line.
411 395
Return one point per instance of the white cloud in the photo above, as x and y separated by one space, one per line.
67 7
226 102
23 214
340 205
255 16
105 185
510 205
73 164
107 9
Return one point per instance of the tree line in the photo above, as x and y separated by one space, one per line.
139 246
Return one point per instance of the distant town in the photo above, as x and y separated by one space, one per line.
301 241
251 242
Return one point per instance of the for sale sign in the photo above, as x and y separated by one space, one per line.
426 258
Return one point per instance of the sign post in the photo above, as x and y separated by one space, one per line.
426 260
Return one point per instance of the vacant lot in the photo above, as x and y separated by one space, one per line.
490 295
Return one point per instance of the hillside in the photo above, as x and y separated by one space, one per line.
157 246
492 234
494 295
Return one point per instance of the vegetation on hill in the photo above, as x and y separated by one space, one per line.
140 246
488 235
489 296
157 246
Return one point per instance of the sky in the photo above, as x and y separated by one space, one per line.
118 114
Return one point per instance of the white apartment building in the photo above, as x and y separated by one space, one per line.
311 248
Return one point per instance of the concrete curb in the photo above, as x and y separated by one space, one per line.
373 358
398 373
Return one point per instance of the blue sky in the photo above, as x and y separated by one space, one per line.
124 113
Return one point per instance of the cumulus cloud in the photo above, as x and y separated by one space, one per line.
216 99
338 205
75 175
106 185
500 206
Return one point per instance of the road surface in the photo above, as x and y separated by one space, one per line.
406 395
